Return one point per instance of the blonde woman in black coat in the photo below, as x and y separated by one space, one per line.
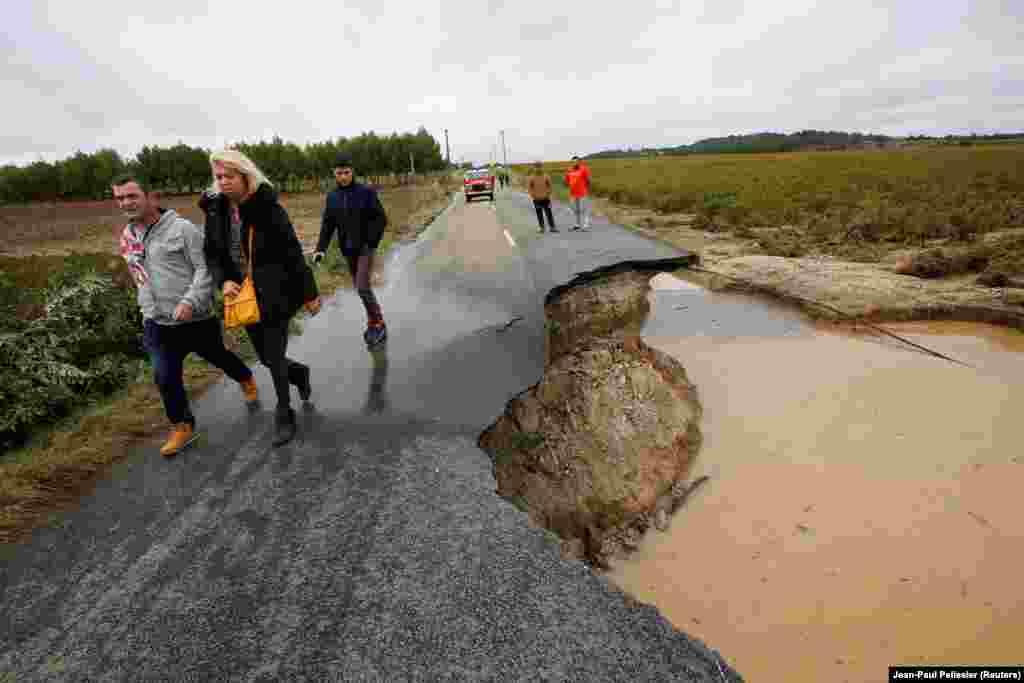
242 199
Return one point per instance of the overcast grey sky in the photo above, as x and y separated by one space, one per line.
566 77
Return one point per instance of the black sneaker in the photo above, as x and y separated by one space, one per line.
375 335
553 229
284 428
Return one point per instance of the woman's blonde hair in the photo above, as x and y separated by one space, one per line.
237 161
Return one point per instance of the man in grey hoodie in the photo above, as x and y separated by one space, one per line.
165 256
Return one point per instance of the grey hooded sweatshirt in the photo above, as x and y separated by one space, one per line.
176 268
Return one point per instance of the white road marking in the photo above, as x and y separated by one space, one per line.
509 238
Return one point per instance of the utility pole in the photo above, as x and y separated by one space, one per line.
503 148
412 163
447 149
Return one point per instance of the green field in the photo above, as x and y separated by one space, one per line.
855 204
904 192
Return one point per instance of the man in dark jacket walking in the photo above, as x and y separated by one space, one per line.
355 212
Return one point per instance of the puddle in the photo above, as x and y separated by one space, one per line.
863 507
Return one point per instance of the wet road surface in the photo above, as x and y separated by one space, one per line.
373 547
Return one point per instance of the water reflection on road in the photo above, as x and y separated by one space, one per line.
864 506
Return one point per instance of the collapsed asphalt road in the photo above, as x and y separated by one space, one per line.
373 548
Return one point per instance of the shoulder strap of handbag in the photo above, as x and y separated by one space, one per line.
251 255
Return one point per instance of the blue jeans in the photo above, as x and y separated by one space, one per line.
168 345
581 211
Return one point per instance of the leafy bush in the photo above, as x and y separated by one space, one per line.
86 343
10 298
716 201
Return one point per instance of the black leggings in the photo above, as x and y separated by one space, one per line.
271 342
543 207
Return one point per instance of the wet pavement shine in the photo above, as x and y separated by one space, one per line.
863 506
371 548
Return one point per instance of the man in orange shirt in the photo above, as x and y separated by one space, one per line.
578 180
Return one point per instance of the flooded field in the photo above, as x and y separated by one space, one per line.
864 502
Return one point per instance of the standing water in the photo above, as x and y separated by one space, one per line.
863 507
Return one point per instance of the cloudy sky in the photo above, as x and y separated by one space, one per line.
563 77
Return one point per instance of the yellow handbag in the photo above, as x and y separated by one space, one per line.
243 309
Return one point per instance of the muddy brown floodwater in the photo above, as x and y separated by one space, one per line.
864 507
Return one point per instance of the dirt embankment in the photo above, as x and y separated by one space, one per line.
600 448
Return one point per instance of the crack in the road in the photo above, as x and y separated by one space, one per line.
500 327
509 324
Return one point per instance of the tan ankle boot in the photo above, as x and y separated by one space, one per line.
181 437
249 390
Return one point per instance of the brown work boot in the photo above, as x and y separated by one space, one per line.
181 437
249 390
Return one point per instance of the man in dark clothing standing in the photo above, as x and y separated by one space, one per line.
539 189
355 211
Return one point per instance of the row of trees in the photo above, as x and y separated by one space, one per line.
182 168
757 143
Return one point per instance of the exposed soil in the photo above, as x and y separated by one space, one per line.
862 503
65 227
599 448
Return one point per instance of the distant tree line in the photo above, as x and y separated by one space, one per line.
182 168
967 140
973 136
758 143
793 142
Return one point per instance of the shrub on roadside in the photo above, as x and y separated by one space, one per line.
11 298
86 343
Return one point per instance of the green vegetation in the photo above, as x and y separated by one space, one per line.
182 168
68 331
853 204
527 441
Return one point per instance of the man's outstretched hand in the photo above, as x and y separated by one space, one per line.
183 312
